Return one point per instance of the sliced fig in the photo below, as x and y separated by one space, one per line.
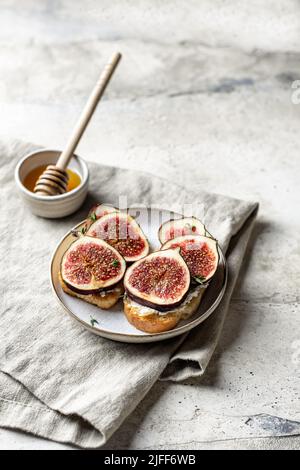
178 227
122 232
91 265
98 210
200 254
161 280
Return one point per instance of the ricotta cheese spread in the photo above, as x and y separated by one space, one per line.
150 311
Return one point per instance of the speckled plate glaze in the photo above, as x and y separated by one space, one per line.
112 323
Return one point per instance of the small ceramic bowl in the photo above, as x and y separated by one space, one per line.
52 206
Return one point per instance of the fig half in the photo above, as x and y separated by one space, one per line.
90 265
200 254
161 280
178 227
95 212
98 210
122 232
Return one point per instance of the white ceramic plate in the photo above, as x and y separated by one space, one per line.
112 323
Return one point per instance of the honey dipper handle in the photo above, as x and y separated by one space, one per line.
88 111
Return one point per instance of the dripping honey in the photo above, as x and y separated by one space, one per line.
33 175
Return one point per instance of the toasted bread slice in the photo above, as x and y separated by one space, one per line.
152 321
105 300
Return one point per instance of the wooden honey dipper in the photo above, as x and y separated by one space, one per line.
54 179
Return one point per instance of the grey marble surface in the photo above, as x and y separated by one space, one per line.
203 97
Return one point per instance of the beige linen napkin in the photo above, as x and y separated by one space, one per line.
57 380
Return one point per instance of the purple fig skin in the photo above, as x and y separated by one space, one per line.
90 291
159 308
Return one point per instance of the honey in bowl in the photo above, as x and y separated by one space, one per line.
32 177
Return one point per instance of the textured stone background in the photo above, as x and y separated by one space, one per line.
203 97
